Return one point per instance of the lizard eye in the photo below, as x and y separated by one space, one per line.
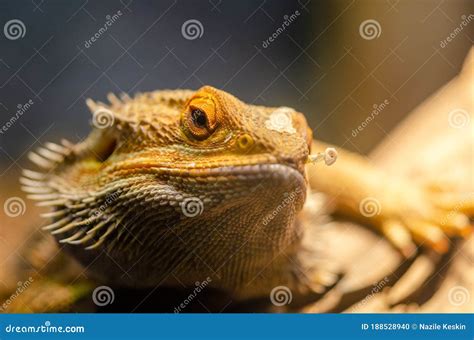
199 118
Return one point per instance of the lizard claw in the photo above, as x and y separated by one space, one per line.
425 218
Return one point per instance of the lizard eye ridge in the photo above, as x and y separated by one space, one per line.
199 118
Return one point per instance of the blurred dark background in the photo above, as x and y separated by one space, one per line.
319 64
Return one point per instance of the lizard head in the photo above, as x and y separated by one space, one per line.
175 182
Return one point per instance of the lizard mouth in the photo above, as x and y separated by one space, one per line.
262 166
276 170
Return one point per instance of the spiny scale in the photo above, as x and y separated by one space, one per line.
36 190
73 237
31 183
103 237
57 224
40 161
57 213
43 197
67 227
33 174
73 213
57 148
50 155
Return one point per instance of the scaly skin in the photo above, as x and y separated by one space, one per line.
122 200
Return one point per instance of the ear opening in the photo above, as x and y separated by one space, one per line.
102 144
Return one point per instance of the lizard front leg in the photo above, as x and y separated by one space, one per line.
403 211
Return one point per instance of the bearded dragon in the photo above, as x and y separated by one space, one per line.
174 186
